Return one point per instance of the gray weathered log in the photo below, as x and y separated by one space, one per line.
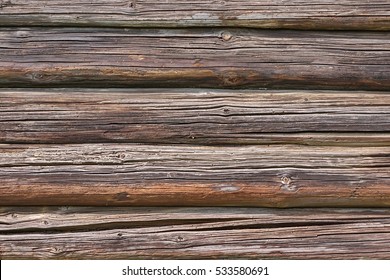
195 116
144 175
194 58
295 14
174 233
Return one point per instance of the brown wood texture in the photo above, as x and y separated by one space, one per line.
185 233
295 14
194 58
99 107
188 116
169 175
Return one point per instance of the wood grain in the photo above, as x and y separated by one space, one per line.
295 14
189 116
229 58
158 175
174 233
70 139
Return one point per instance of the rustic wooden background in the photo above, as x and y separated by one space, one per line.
194 129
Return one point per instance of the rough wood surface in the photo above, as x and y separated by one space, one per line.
194 147
172 233
195 116
295 14
143 175
194 58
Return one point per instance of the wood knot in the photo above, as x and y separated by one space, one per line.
231 78
180 239
22 34
225 36
45 222
56 250
355 192
121 196
5 3
36 76
287 184
132 4
285 180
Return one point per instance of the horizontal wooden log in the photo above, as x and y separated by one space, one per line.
143 175
195 116
295 14
194 58
172 233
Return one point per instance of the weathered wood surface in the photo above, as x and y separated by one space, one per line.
194 58
295 14
194 116
172 233
158 175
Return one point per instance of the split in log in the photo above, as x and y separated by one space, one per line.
187 233
143 175
295 14
202 117
230 58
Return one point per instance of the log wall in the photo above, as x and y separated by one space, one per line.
201 119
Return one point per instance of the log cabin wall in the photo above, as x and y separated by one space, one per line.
194 129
